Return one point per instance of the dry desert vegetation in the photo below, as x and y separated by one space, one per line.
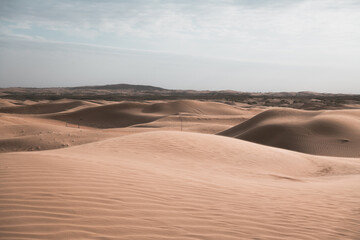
177 169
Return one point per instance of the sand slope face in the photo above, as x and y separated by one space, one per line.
331 133
177 185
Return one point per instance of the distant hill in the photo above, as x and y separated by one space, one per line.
121 87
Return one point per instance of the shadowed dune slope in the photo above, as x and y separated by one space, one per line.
331 133
177 185
130 113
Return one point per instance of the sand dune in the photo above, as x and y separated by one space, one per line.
176 185
6 103
126 114
33 134
332 133
191 106
42 108
108 116
202 123
70 123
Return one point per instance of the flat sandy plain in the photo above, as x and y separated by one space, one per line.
185 169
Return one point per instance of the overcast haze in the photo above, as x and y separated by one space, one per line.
241 45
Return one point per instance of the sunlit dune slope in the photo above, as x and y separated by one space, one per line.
332 133
176 185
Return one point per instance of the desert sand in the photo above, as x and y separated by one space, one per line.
186 169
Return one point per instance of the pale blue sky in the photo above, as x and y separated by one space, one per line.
245 45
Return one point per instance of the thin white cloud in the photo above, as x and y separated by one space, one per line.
285 32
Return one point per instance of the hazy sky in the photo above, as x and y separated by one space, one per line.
245 45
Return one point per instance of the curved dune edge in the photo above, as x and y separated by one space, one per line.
330 133
176 185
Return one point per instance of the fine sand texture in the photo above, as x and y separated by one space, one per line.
156 170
